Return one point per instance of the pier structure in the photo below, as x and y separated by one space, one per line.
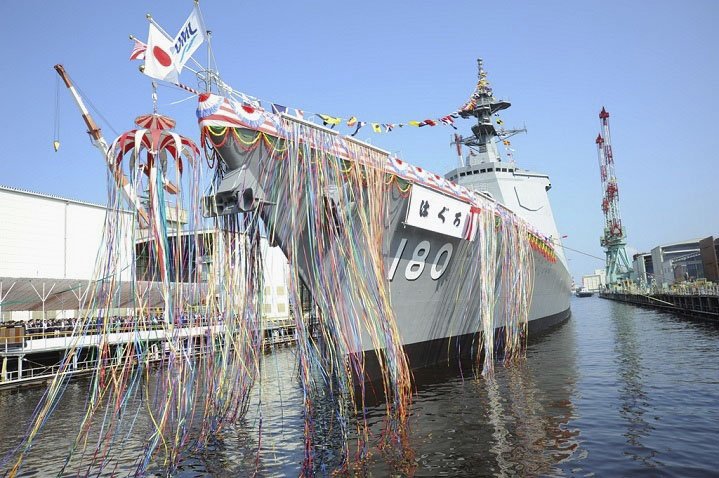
699 300
21 349
680 277
49 246
24 357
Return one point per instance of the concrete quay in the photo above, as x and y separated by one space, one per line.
702 304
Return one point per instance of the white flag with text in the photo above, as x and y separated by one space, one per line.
189 39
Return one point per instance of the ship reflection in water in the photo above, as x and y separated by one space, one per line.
615 391
515 423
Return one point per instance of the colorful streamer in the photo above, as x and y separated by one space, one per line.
328 211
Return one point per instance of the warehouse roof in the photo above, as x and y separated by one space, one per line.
25 293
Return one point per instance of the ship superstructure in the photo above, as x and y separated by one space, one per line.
482 169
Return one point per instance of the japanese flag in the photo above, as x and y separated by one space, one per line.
159 59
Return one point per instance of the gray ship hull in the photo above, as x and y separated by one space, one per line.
435 309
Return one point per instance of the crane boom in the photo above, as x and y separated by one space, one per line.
99 141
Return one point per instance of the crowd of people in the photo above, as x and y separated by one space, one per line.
37 328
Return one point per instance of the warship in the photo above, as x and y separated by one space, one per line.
429 221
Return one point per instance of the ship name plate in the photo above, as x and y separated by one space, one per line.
436 212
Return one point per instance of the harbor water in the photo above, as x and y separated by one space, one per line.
615 391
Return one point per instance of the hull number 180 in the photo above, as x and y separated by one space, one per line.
416 265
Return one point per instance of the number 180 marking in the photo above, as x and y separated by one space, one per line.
415 266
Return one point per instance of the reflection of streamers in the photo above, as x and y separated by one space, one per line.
501 445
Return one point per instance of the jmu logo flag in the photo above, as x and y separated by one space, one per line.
159 58
189 39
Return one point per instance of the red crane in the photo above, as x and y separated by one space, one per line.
614 238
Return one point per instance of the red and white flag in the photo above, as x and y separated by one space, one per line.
138 50
159 58
448 121
471 227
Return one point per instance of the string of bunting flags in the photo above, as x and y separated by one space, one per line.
543 246
353 122
165 57
139 52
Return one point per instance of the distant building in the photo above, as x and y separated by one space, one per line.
709 251
48 251
677 262
642 268
596 281
45 236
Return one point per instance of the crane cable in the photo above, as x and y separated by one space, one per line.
580 252
56 126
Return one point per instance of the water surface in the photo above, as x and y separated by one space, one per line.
615 391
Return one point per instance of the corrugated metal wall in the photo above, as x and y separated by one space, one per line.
49 237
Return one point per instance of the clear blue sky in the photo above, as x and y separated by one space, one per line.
654 65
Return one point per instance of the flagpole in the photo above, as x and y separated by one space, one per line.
209 56
208 34
157 25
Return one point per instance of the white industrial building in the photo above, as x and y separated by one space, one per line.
48 251
594 282
642 269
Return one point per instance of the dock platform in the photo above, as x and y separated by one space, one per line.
20 354
699 303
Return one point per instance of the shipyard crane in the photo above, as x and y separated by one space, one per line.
150 124
100 143
614 238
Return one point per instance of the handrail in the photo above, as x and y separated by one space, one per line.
48 340
42 372
687 289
